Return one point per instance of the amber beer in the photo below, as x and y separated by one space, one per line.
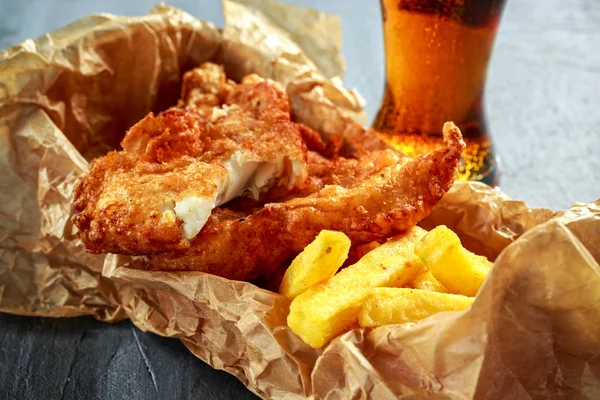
437 53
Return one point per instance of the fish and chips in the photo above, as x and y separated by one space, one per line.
227 182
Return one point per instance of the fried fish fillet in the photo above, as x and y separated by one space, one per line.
205 88
175 168
176 193
129 206
388 202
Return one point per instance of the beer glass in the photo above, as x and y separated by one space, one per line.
437 53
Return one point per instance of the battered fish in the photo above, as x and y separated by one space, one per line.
227 183
389 202
157 193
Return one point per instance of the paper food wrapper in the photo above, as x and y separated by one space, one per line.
533 331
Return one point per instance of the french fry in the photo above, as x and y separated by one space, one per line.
426 281
459 270
385 306
327 309
318 261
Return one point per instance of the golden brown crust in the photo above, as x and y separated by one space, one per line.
204 88
265 99
389 202
170 135
119 205
372 194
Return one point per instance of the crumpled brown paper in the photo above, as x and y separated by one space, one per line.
533 332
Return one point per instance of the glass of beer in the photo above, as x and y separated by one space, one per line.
437 53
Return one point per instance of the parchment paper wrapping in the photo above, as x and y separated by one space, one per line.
533 331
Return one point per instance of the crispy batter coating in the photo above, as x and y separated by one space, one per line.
348 172
136 201
389 202
224 141
204 88
175 192
166 137
265 99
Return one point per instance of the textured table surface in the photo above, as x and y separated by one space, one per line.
543 99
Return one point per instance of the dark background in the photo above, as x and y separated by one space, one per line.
542 96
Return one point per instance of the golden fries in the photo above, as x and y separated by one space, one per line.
317 262
384 306
327 309
426 281
459 270
408 278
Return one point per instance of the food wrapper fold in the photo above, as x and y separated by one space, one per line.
66 97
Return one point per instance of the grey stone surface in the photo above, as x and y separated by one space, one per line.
81 358
542 100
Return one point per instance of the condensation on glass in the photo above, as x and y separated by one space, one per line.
437 54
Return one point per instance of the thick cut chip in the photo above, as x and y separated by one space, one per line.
426 281
459 270
317 262
325 310
385 306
